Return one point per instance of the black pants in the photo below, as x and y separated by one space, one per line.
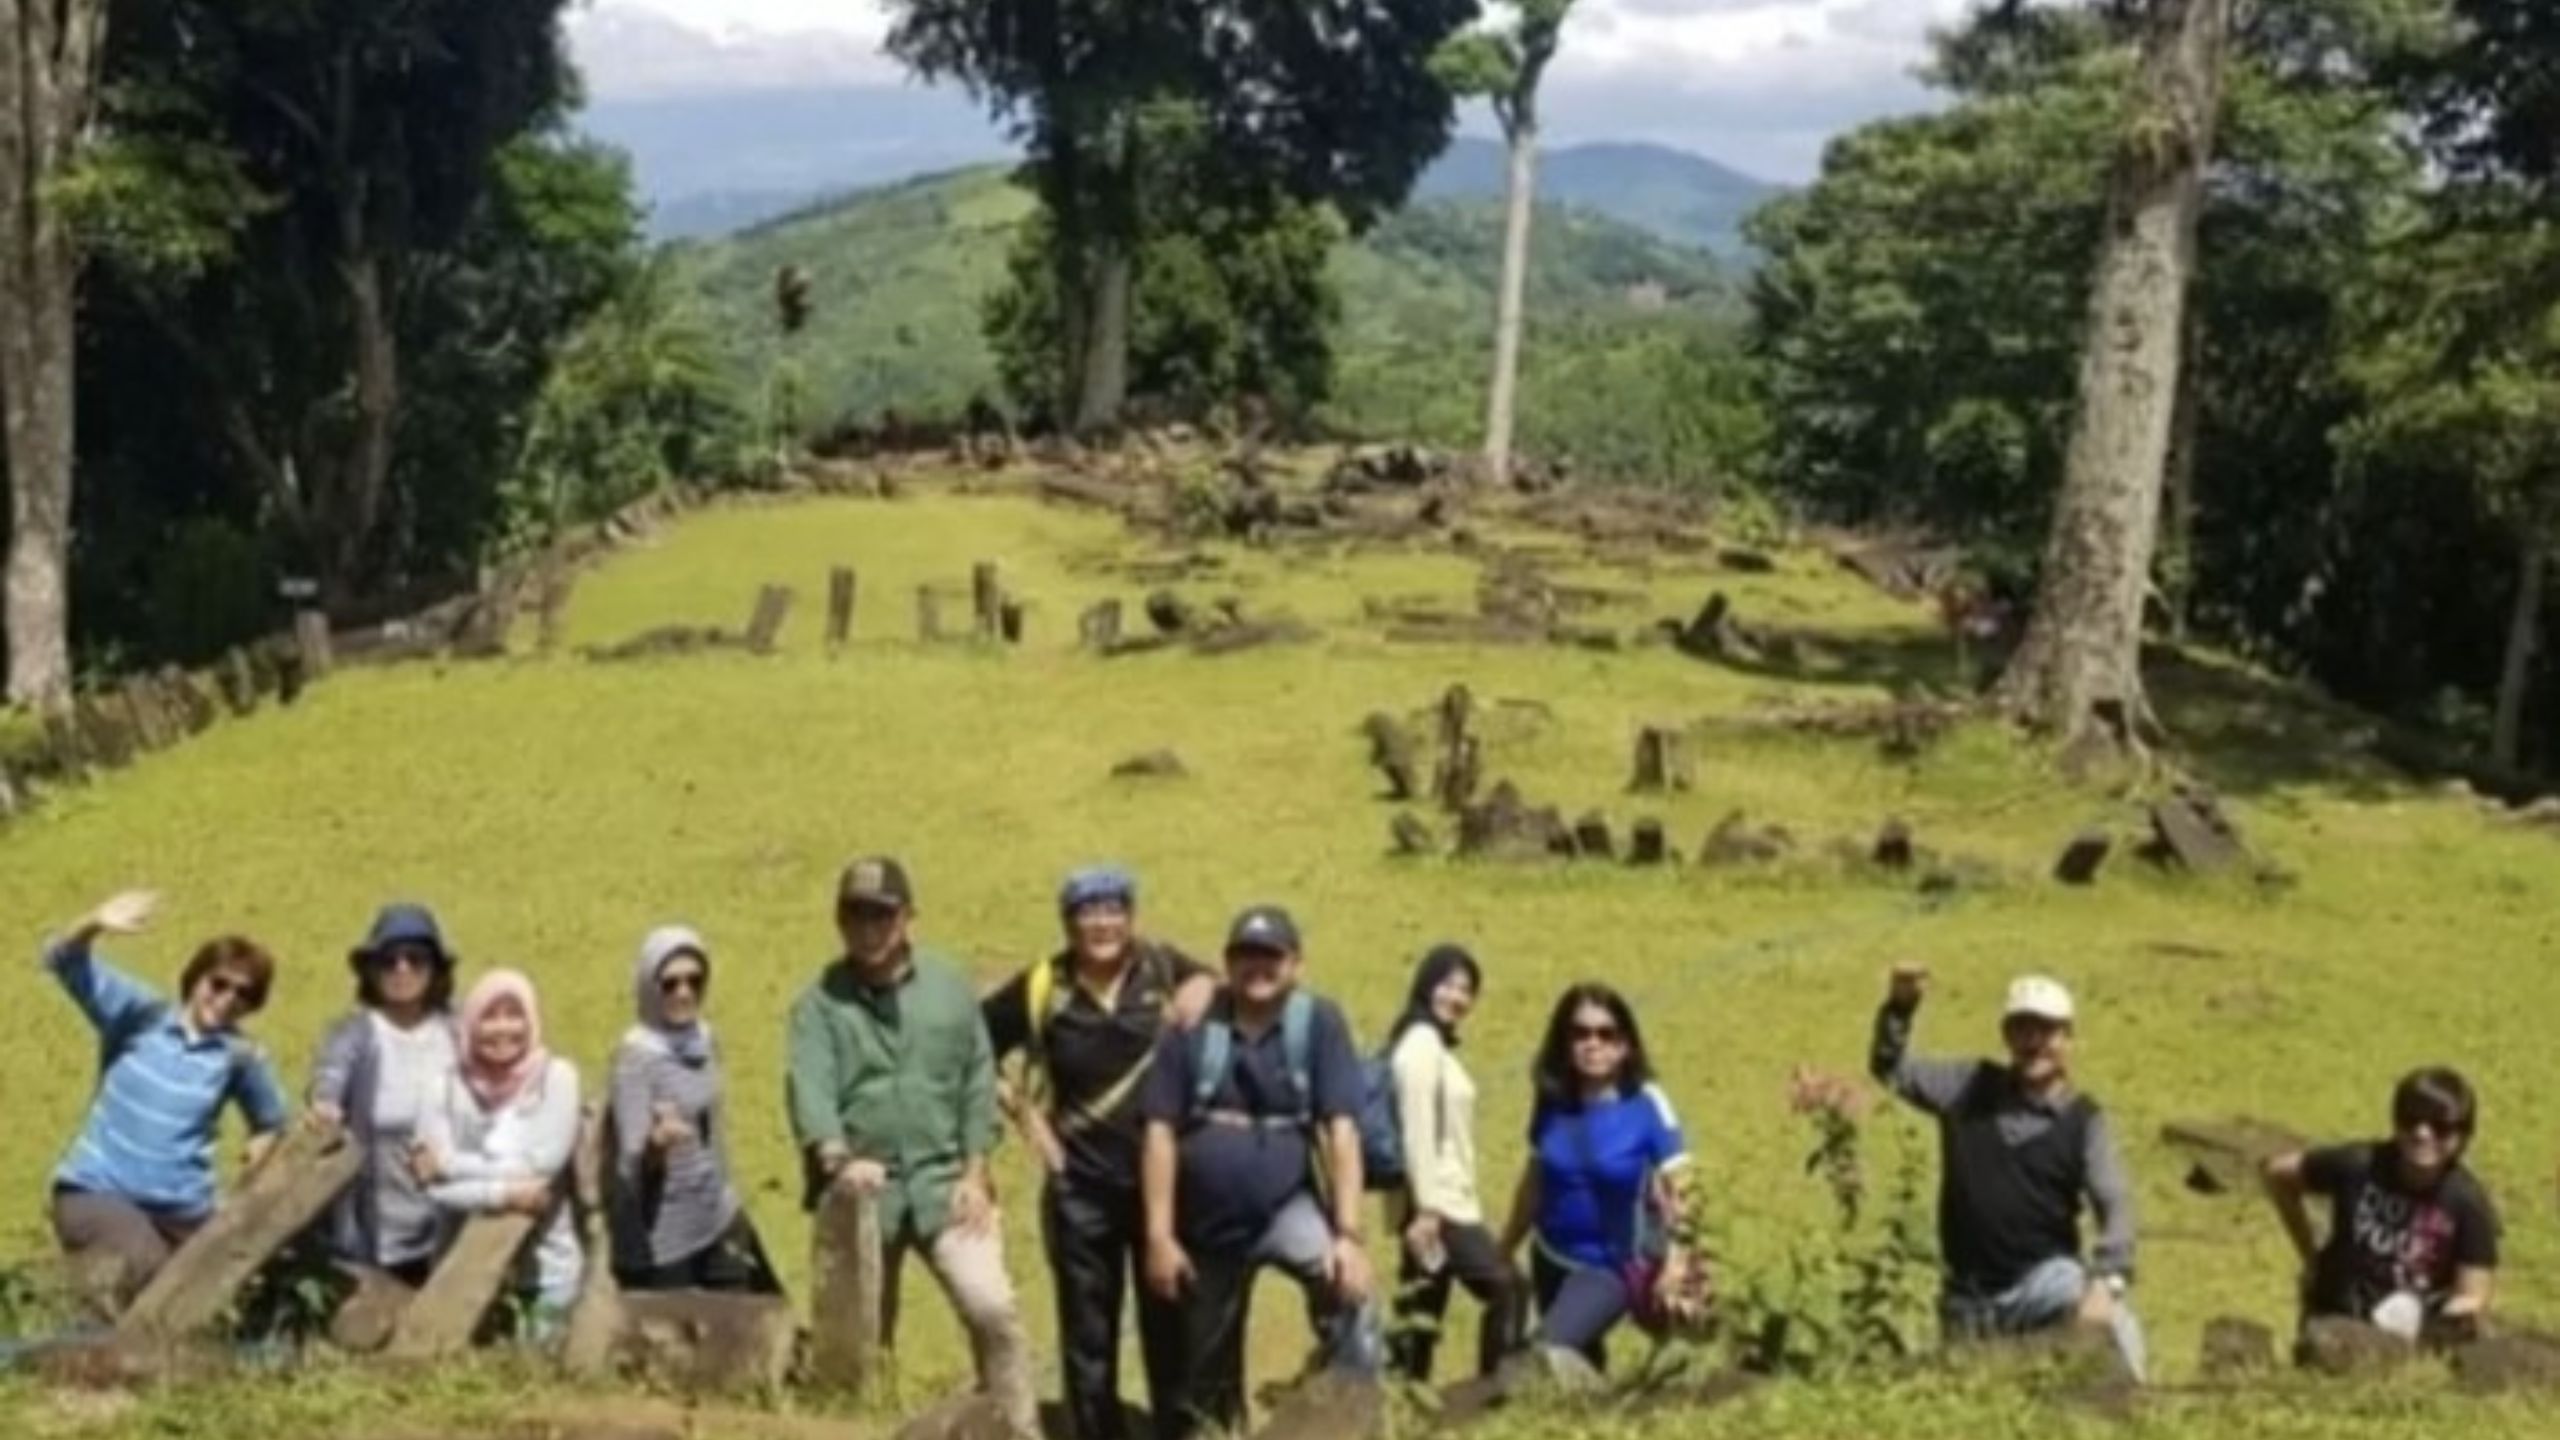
735 1263
1475 1260
1097 1241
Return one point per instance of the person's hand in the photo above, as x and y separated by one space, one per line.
1685 1287
861 1177
260 1146
1909 985
529 1197
323 1118
425 1166
124 913
1169 1270
1191 1001
667 1127
1348 1267
1422 1238
973 1209
1046 1146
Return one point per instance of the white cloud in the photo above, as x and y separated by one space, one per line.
1758 83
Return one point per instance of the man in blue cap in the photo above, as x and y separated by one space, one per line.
1086 1022
1242 1113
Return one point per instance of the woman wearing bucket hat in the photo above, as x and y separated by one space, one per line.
378 1068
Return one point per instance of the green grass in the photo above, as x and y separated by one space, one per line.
553 810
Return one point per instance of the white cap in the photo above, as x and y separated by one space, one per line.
2039 996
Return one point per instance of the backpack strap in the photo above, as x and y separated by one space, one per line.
1297 1049
1213 1052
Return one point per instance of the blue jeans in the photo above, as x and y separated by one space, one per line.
1578 1306
2048 1296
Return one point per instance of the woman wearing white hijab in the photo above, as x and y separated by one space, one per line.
677 1220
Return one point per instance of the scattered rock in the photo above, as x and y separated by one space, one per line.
665 640
2228 1153
1228 639
1155 764
2189 829
2082 857
1504 827
1169 613
2235 1348
1714 634
1461 769
1391 750
1591 838
1412 836
1906 568
1745 561
1736 841
1893 845
1662 762
2335 1345
1648 845
2517 1360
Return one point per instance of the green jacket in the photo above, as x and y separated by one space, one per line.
903 1076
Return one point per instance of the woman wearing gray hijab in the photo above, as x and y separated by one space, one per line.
676 1217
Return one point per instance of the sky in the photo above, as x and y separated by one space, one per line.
1758 84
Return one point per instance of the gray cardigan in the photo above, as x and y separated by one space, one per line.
345 1075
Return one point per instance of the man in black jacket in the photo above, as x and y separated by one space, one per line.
2019 1149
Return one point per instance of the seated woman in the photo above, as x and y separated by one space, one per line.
2413 1240
677 1220
1604 1185
501 1134
139 1179
378 1070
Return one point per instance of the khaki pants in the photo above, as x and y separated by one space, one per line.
970 1269
114 1245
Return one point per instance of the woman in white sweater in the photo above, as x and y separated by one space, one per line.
502 1136
1445 1236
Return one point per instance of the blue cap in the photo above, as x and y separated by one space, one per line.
1264 927
402 924
1093 883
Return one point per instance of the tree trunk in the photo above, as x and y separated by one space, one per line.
1105 367
2515 676
364 470
2078 672
48 52
2177 563
1501 401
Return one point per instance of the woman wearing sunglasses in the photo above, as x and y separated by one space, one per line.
138 1180
378 1070
500 1136
1604 1190
2413 1240
677 1221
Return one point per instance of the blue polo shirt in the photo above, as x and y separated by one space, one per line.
161 1088
1236 1178
1594 1162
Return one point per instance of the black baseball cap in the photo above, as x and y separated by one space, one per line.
875 880
1264 927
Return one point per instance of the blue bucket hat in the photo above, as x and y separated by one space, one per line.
1095 883
401 924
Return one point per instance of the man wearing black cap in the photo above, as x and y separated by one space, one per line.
893 1094
1240 1113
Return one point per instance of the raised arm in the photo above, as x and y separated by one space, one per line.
1932 1085
2286 1187
2111 1196
106 995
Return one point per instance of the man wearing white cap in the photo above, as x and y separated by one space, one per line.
2019 1149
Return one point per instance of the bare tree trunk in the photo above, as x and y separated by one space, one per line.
1501 402
2177 564
1106 353
2515 676
48 54
2078 672
364 471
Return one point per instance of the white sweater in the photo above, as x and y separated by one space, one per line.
1436 1109
485 1154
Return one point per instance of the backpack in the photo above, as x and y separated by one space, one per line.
1213 1054
1382 1162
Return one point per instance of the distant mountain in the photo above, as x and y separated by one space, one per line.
1673 193
899 275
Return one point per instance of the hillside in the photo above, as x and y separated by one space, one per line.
898 274
556 808
1671 193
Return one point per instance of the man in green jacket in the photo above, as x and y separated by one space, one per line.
893 1095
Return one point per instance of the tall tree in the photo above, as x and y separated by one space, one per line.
374 129
49 58
2078 672
1506 67
1331 101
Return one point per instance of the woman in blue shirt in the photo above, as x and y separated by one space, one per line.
1604 1187
138 1180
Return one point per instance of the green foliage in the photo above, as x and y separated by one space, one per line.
209 590
1233 297
634 401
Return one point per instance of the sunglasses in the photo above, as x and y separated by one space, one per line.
683 982
2440 1128
226 987
404 957
1602 1034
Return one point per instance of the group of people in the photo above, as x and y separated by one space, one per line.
1194 1126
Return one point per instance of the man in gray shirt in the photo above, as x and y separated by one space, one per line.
2019 1149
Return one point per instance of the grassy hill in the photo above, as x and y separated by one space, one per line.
898 276
1670 193
553 810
